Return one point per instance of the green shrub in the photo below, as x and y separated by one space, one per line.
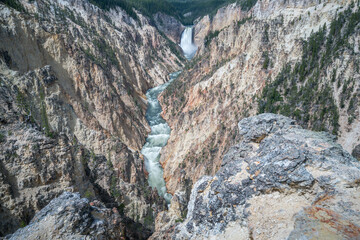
2 137
210 36
89 194
266 60
13 4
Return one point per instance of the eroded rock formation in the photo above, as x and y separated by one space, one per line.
71 217
238 58
73 79
279 182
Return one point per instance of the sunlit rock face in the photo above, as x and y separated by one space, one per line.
228 73
279 182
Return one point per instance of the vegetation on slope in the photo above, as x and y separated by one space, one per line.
13 4
184 10
189 10
303 92
147 7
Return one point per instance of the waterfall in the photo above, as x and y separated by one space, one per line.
186 43
160 130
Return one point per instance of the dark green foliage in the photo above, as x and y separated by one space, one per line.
45 122
22 224
210 36
105 49
176 8
266 60
21 101
340 30
89 194
312 104
243 21
44 118
354 102
147 7
13 4
24 105
199 8
107 4
115 192
121 209
106 55
2 137
149 218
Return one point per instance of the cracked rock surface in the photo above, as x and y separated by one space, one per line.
72 217
279 182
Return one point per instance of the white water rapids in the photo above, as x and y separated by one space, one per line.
160 130
160 133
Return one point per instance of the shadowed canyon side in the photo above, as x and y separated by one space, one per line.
73 83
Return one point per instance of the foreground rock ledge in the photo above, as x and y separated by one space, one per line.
71 217
280 182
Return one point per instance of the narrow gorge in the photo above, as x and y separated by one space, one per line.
160 130
173 119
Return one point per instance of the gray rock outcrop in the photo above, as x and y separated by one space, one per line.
279 182
170 26
72 217
356 152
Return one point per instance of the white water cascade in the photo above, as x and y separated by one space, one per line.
186 43
160 130
158 137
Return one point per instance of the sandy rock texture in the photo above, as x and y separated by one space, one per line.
71 217
170 26
228 74
73 79
279 182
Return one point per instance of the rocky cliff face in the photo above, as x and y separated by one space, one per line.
72 82
236 60
170 26
279 182
72 217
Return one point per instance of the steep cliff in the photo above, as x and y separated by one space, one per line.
237 58
170 26
279 182
72 81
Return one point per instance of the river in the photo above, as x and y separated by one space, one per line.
160 130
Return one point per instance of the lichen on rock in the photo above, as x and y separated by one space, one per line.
278 187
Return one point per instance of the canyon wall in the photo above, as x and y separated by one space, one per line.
73 82
238 58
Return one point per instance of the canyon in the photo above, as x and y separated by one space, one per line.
119 124
226 78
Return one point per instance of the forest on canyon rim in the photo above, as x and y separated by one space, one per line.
179 119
